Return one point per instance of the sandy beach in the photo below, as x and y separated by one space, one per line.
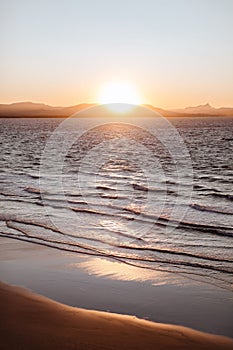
30 321
93 284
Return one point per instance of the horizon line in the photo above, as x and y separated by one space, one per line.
97 103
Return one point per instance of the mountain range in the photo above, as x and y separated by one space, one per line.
31 109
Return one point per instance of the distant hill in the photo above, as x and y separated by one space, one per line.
206 109
31 109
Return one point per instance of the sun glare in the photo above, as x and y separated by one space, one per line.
120 94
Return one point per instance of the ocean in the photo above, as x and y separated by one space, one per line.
156 196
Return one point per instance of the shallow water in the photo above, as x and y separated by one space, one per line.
122 196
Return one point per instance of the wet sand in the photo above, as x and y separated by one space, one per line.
30 321
104 285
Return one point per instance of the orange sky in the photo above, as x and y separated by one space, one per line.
175 53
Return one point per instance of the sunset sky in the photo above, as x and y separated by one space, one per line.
175 53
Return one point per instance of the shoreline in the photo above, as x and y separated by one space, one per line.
103 285
32 321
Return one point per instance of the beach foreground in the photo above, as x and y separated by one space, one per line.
30 321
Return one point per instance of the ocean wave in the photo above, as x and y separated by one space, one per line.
87 249
118 211
202 207
219 230
223 195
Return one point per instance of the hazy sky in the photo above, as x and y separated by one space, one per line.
176 52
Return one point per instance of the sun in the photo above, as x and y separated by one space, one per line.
119 95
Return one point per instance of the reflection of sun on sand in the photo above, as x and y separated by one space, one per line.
124 272
29 321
